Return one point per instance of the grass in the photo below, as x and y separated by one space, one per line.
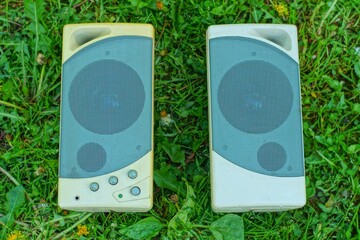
30 72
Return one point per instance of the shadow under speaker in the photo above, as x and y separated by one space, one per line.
106 146
256 143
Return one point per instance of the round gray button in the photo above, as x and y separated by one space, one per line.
113 180
94 186
135 191
132 174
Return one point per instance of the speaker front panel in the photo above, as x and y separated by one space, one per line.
255 118
106 119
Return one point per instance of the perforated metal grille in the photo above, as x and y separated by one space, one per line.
255 96
106 97
91 157
271 156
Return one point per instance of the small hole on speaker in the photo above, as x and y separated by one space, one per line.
77 198
225 147
253 53
289 168
138 147
107 53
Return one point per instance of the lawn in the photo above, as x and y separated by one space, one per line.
30 78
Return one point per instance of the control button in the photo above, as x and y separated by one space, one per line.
132 174
135 191
94 186
113 180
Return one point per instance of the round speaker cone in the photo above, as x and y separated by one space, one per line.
91 157
271 156
255 96
106 96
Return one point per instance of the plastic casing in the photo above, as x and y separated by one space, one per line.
236 189
74 193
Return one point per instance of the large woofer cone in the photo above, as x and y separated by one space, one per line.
106 97
255 96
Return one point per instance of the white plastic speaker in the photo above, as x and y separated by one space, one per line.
106 144
256 142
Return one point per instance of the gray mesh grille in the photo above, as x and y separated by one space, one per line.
255 106
91 157
271 156
106 97
106 101
255 96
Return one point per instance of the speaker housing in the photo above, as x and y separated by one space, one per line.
255 123
106 139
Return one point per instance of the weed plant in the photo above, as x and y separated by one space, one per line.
30 77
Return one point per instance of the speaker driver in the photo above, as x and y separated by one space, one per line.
255 96
271 156
91 157
106 97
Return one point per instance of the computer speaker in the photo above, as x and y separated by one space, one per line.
106 139
256 142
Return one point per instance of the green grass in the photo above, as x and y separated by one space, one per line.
329 34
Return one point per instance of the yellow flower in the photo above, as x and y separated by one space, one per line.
166 119
281 9
82 230
159 5
163 113
16 235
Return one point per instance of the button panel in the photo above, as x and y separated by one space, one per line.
132 187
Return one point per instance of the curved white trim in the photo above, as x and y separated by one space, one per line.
110 30
253 31
235 189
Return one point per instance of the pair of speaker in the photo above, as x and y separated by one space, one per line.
106 146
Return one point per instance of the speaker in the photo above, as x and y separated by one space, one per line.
256 143
106 139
